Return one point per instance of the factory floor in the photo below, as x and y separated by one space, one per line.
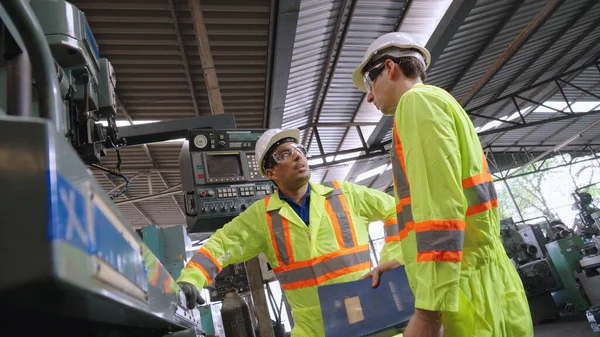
576 326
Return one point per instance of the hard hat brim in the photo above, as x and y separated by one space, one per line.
357 75
290 133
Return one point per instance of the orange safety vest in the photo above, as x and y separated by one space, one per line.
351 257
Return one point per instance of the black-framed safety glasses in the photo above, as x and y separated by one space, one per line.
370 75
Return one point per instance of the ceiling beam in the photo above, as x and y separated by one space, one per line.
546 12
449 24
555 148
442 35
542 51
362 101
489 39
150 157
544 121
165 193
144 215
208 66
332 58
270 57
285 35
183 56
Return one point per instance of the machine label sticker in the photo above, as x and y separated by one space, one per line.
90 226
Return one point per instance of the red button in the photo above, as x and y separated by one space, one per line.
201 176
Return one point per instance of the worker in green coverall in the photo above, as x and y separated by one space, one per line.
446 204
312 234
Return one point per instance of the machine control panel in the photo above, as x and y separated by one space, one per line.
230 199
232 276
220 176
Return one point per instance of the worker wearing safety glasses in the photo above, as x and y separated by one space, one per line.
311 234
448 222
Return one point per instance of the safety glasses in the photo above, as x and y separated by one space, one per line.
371 74
287 152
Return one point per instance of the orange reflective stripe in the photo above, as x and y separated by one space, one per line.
403 202
154 280
398 148
440 256
484 162
436 225
319 259
199 267
273 240
323 278
288 239
267 201
482 207
477 180
347 211
390 222
335 223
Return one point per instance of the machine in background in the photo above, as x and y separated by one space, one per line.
588 219
559 270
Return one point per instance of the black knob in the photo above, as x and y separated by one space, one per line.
213 209
222 143
203 210
243 207
232 207
223 209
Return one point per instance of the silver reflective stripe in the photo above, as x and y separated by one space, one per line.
391 230
451 240
406 216
335 190
342 219
480 194
323 268
399 177
209 266
279 233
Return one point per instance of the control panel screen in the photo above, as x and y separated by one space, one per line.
224 165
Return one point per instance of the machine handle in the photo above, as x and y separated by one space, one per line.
42 61
191 204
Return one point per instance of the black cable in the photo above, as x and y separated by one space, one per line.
115 172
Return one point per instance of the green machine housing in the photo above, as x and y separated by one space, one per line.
168 244
565 255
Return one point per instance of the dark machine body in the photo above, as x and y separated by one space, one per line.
219 175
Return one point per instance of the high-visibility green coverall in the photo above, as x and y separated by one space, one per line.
448 222
302 256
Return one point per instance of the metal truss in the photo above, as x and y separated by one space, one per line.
500 173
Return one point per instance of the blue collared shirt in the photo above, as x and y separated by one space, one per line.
301 210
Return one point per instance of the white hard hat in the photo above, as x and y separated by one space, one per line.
382 47
270 138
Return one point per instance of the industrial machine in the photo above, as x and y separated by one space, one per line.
70 259
587 221
559 269
220 176
565 255
168 245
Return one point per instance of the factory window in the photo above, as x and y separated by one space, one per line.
376 241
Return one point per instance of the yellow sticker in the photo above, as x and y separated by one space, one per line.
354 309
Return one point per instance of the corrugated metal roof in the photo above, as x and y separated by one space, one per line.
341 99
139 38
568 39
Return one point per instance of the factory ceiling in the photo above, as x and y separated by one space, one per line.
525 70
